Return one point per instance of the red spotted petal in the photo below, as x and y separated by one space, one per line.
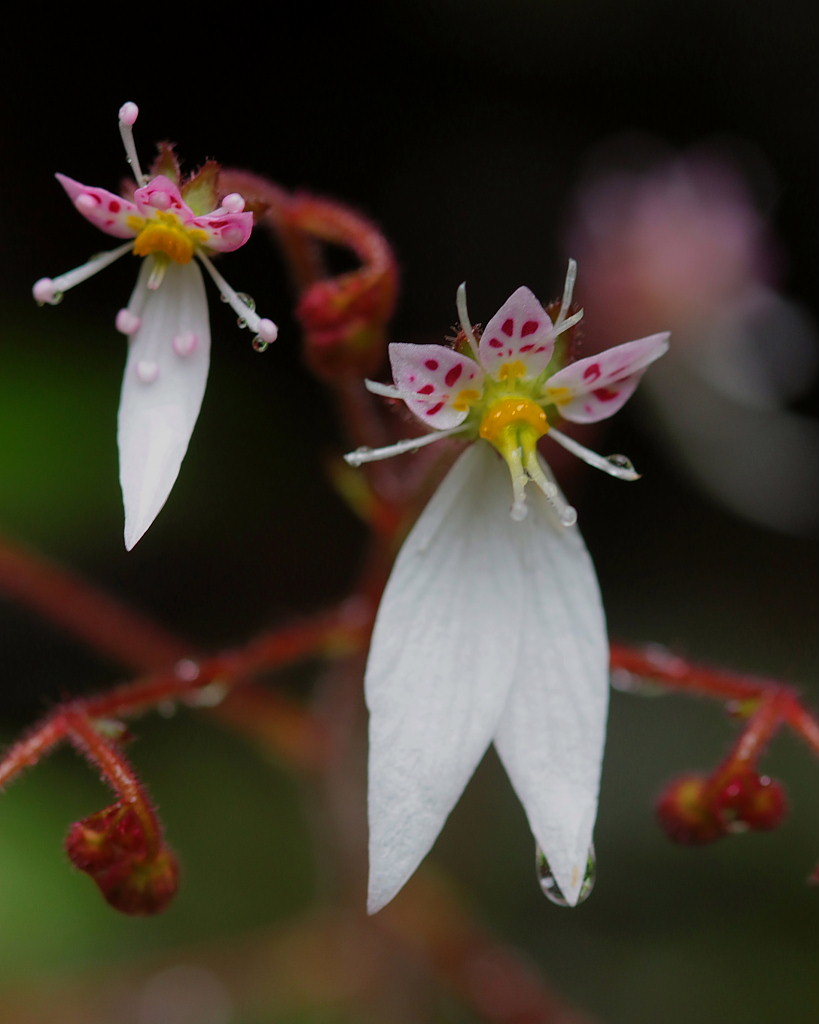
162 194
103 209
226 231
520 331
594 388
436 382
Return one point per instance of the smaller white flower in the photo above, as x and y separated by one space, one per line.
491 628
168 222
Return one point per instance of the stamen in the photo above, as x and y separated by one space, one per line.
575 318
463 316
411 444
566 513
568 290
128 113
614 465
157 273
384 390
264 329
514 460
50 290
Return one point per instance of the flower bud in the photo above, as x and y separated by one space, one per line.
344 319
686 812
112 846
753 800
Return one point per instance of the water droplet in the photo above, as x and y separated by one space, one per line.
209 696
568 516
223 297
259 344
248 300
621 462
549 884
627 682
56 298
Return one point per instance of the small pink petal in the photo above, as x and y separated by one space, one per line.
432 379
595 388
226 231
105 210
520 331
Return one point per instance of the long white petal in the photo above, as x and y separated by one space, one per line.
441 664
162 391
551 734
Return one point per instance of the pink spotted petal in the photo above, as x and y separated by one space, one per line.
162 194
432 379
106 211
594 388
226 231
520 331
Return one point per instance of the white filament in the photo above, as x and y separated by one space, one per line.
362 455
463 315
128 114
593 459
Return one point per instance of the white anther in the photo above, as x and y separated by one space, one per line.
44 291
127 322
233 203
266 329
128 114
47 289
147 370
185 344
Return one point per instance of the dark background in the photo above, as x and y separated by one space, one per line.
463 129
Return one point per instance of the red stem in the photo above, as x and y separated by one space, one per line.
116 771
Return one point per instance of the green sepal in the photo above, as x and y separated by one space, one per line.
201 190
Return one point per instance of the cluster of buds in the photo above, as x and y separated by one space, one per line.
697 809
135 874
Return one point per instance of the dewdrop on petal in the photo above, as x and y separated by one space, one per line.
491 628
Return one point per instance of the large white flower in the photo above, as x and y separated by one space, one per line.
166 319
491 628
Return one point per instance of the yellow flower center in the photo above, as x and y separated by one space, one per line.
510 414
165 233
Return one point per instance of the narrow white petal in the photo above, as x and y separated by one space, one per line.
551 734
162 391
441 663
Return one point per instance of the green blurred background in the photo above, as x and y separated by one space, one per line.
463 130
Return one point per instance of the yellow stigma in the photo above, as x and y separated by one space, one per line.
513 412
166 233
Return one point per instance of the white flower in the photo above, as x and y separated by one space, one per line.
491 628
166 319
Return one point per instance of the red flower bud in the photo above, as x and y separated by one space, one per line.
114 848
687 814
344 322
758 802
